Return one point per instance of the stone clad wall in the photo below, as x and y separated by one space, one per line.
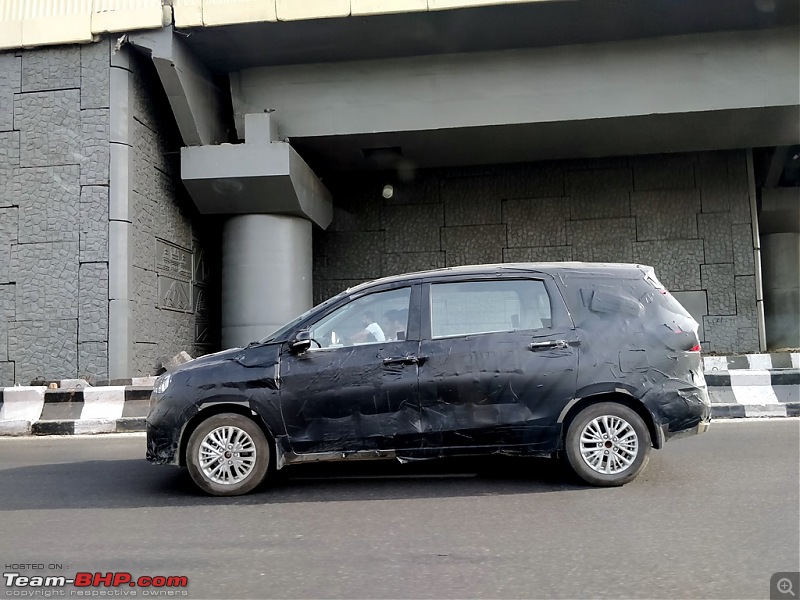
54 221
170 266
54 170
687 215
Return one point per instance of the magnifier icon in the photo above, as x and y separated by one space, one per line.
784 586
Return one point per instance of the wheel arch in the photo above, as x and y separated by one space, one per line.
620 397
216 409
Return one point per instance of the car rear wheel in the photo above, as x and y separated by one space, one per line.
227 455
607 444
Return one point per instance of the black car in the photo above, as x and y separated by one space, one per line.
595 363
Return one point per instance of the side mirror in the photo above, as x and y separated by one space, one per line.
301 342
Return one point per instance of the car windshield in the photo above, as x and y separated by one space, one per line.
291 325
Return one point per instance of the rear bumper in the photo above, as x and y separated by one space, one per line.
701 427
680 409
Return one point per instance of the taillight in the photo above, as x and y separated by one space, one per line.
695 348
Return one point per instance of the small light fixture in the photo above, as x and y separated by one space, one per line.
388 191
227 186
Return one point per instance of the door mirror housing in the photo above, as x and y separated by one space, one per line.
301 341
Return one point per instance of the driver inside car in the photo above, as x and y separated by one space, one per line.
372 332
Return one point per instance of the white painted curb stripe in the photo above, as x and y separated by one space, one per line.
22 403
769 410
715 363
759 361
95 426
795 360
15 427
753 387
103 403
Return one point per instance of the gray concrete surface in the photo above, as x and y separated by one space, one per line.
716 71
712 517
687 215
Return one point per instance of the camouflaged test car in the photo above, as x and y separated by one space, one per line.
595 363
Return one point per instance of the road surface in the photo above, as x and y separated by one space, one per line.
713 516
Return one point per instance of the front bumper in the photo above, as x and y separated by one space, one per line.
162 446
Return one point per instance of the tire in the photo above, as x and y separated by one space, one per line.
603 463
245 469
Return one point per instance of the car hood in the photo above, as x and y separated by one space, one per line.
249 356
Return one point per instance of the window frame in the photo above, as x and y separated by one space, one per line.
559 316
414 311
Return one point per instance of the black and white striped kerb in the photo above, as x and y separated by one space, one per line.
43 411
24 410
754 393
757 362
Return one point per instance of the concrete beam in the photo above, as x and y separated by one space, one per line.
776 165
195 100
258 177
668 75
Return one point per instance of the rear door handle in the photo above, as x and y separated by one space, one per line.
405 360
549 344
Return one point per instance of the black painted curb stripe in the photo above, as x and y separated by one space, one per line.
781 361
740 363
785 377
131 424
53 428
718 379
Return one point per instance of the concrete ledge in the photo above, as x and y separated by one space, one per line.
753 377
84 427
15 427
42 411
777 360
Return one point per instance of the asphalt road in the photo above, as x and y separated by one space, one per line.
712 517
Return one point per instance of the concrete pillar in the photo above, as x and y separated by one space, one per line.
780 253
266 275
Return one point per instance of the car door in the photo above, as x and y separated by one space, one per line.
500 361
356 387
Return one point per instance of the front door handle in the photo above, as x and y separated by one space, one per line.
561 344
405 360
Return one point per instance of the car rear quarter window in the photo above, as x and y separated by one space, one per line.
486 306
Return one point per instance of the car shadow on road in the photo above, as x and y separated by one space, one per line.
135 483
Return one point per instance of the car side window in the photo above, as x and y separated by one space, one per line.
487 306
371 319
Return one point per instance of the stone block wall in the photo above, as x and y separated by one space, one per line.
687 215
55 176
54 181
174 275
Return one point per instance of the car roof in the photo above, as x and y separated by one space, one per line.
551 268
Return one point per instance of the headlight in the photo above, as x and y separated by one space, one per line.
162 383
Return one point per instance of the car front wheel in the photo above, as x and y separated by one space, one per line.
607 444
227 455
